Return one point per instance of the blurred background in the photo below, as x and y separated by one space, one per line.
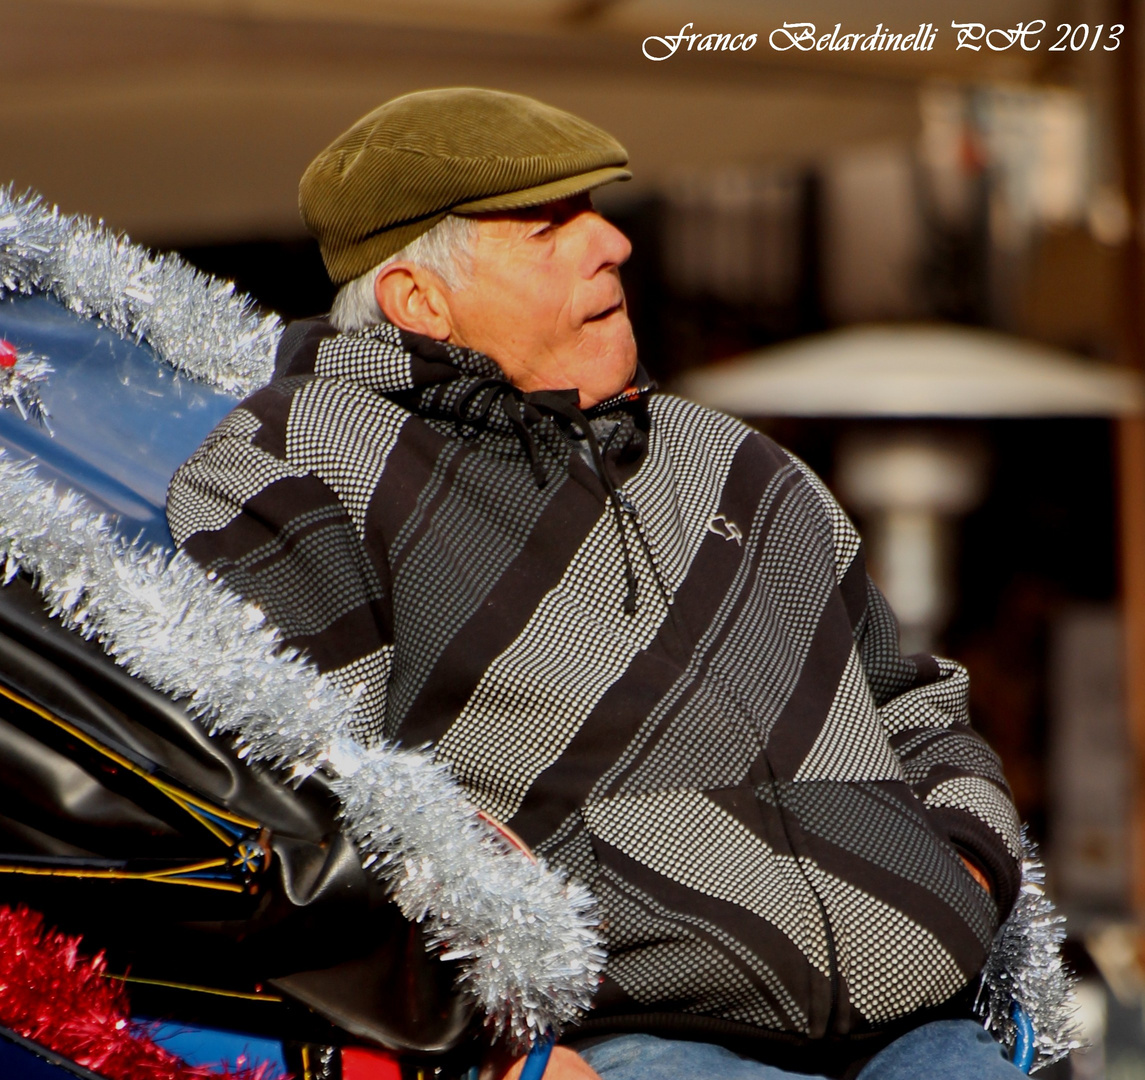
920 270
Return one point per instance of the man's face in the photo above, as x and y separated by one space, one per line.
544 300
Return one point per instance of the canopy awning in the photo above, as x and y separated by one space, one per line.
916 371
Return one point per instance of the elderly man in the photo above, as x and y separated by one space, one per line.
639 632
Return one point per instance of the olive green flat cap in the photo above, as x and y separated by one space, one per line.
400 169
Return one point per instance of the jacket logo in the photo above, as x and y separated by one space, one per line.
729 530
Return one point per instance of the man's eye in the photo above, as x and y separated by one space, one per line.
545 230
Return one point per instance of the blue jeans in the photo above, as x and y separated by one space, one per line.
942 1050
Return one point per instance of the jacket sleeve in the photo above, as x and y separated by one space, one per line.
922 703
279 536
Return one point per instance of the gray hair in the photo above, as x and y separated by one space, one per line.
446 250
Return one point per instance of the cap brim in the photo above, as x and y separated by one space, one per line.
544 193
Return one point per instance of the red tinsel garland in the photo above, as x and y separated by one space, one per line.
51 994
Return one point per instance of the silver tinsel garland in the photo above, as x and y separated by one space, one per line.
195 322
1025 969
526 936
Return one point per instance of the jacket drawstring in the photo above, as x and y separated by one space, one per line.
524 411
486 393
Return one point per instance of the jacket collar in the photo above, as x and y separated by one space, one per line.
392 361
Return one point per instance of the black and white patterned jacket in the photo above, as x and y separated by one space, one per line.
767 799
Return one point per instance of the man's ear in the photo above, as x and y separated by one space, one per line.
413 299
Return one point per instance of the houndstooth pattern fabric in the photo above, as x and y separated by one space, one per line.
228 470
343 435
767 798
579 641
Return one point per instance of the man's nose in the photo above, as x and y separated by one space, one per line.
606 245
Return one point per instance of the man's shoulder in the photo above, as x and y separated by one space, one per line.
294 368
698 437
298 398
701 428
261 418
